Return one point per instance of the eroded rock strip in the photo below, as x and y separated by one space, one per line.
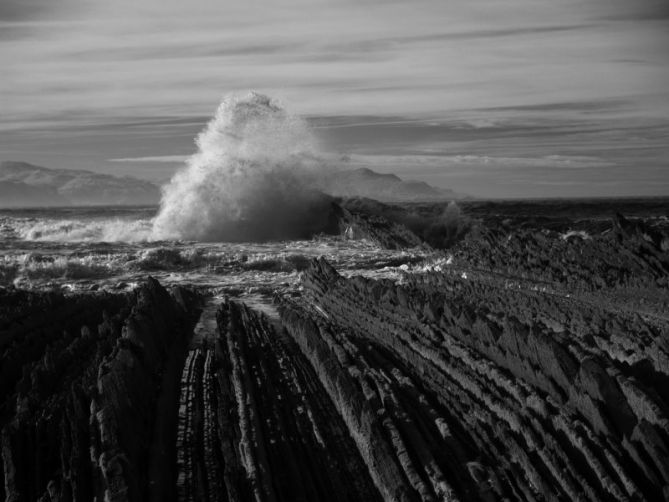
79 423
280 437
477 399
199 459
186 436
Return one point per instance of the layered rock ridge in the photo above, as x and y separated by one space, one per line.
81 378
468 390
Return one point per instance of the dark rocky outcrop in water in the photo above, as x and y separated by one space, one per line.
364 182
402 226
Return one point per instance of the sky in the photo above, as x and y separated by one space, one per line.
521 98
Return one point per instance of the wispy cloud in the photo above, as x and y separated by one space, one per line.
156 158
323 56
447 166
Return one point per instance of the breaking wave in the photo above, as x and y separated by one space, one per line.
82 230
246 182
249 181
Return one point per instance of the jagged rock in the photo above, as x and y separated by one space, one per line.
514 368
511 388
84 401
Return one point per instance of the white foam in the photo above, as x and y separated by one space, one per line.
72 230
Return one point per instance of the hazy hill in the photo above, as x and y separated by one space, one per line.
17 194
24 184
364 182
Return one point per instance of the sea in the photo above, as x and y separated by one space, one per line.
110 248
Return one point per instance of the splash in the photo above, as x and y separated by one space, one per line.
246 182
79 230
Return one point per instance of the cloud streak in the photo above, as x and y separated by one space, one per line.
156 158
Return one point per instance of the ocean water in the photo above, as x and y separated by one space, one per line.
111 248
249 179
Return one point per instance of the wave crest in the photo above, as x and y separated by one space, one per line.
84 230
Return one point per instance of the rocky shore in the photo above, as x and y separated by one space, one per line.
524 363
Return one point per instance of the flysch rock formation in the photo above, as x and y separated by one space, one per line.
255 423
81 377
515 366
475 394
624 262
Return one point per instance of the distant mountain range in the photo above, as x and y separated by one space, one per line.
23 184
17 194
27 185
364 182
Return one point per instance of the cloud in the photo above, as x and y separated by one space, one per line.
640 10
155 158
597 105
403 59
20 10
449 164
385 44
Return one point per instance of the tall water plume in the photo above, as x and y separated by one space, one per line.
246 182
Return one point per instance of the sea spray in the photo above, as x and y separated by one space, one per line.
246 181
80 230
